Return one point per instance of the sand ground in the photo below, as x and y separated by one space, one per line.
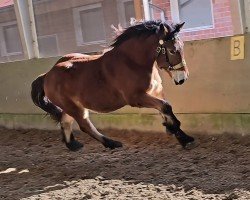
151 165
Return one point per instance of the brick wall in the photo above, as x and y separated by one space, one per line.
164 4
223 25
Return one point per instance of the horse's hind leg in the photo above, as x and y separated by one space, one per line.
87 127
68 137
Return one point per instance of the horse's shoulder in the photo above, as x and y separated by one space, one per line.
155 88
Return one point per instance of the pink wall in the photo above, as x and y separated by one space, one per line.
4 3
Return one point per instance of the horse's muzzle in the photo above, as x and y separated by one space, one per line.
179 77
180 82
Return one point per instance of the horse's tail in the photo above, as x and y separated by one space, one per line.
40 100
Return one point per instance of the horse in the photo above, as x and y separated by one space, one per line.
124 75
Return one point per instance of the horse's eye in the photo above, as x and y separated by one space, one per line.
172 51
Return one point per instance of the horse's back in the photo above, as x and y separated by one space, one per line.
68 60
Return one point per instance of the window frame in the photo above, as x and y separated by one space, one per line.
3 43
175 13
78 27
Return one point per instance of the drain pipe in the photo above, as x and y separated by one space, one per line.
146 10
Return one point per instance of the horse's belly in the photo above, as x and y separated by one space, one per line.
104 103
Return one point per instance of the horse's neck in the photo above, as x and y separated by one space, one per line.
140 51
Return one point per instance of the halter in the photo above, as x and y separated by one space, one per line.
162 50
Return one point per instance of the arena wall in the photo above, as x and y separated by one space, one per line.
215 99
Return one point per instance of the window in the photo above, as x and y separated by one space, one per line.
89 24
126 11
196 13
48 46
10 39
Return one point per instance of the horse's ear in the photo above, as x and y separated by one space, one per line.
162 29
179 26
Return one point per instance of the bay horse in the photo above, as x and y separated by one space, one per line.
124 75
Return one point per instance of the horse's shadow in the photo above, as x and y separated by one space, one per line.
217 165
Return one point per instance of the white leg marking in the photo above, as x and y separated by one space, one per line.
66 123
85 114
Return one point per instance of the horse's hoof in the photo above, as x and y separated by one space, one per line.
74 145
186 141
112 144
190 145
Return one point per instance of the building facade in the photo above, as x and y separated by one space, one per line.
204 19
63 26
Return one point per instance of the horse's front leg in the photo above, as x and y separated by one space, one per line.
172 124
170 121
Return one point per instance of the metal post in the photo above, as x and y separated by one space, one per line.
33 29
247 15
237 17
146 9
26 26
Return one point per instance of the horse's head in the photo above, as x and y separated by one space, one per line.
170 52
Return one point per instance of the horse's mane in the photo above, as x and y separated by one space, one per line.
140 29
146 29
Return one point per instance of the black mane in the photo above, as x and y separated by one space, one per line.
142 29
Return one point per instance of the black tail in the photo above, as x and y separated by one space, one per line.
40 100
